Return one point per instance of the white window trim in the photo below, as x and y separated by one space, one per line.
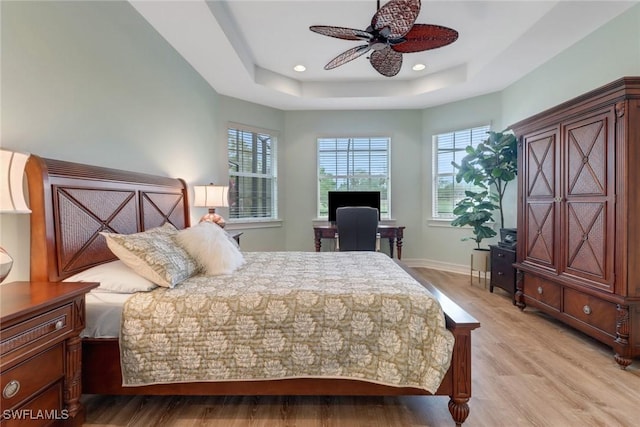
248 224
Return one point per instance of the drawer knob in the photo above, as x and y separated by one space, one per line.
11 389
501 255
500 273
59 325
540 290
586 310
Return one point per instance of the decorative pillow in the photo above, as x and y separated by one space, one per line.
215 251
114 276
154 254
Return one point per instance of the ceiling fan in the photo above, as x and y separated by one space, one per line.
392 32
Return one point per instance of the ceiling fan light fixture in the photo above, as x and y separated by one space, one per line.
392 32
418 67
300 68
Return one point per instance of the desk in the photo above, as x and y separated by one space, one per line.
392 232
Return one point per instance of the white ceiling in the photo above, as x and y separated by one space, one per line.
247 49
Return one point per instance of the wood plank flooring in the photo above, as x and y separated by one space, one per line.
528 370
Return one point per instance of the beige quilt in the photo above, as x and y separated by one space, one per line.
351 315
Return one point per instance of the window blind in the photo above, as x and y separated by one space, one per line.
252 173
353 164
450 147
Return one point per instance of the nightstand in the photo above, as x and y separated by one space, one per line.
236 236
503 275
41 352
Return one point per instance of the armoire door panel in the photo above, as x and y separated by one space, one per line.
587 145
540 235
586 240
540 165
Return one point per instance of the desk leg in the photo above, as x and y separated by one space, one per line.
318 244
391 244
399 246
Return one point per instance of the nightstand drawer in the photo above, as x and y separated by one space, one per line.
503 271
32 375
37 331
43 410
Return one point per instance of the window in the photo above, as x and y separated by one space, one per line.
252 173
450 147
352 164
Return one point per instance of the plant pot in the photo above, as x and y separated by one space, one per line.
480 260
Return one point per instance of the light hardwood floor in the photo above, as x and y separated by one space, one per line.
528 370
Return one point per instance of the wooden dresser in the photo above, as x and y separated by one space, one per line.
578 255
40 352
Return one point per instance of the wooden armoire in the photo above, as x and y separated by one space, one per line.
578 253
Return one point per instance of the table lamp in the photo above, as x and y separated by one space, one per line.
212 197
11 196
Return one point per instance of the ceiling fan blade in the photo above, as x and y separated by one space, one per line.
398 15
340 32
426 37
386 61
347 56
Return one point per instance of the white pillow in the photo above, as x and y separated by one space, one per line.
215 251
114 276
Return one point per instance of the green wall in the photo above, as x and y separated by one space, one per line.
610 52
93 82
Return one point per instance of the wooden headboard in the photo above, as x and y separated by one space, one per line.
71 203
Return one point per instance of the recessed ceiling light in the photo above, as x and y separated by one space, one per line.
299 68
419 67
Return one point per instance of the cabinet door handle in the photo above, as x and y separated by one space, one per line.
11 389
586 310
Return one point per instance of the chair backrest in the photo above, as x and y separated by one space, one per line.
357 228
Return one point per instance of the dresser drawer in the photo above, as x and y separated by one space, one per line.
590 310
546 292
36 332
31 376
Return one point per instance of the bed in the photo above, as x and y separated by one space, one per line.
72 203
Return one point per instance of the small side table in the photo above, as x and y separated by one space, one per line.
503 275
236 236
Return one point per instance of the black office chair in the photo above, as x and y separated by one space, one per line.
357 228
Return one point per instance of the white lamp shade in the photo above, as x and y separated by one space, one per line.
11 185
211 196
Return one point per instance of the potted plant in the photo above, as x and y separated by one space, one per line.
475 211
491 165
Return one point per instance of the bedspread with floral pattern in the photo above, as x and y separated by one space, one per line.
354 315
